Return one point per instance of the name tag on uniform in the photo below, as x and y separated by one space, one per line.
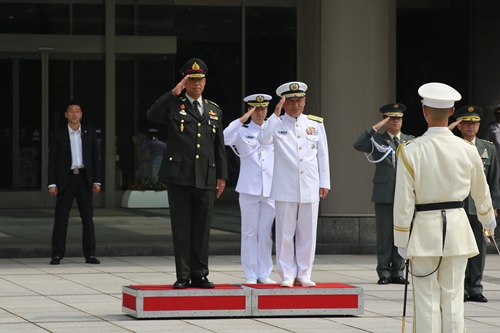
282 132
250 137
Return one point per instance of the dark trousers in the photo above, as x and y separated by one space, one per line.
191 217
76 188
475 265
389 262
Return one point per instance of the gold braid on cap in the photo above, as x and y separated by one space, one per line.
470 118
258 105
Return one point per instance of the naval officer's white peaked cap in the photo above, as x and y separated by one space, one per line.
292 89
438 95
258 100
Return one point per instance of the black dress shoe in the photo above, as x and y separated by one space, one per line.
383 280
201 282
466 298
92 260
181 284
398 280
55 261
478 298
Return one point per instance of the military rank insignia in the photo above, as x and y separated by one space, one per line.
311 130
213 115
183 109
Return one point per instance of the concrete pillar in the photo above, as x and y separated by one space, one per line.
348 59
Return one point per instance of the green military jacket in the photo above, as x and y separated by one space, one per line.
487 151
195 154
384 180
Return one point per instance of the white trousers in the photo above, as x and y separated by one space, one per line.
299 220
439 298
257 217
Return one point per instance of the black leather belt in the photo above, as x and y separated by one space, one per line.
77 171
439 206
442 206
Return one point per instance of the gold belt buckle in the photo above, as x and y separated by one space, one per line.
76 171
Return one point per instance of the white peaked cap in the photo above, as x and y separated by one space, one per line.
292 89
438 95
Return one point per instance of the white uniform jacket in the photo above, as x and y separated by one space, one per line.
438 167
256 160
301 157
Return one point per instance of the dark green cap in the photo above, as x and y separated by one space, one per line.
470 113
195 68
393 110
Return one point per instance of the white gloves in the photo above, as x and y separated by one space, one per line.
491 227
402 252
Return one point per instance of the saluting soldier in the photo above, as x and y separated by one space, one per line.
301 177
469 120
254 187
380 149
194 169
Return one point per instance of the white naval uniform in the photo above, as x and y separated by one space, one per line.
254 186
301 168
439 167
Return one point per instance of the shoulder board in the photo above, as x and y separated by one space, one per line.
245 125
486 141
408 142
209 101
315 118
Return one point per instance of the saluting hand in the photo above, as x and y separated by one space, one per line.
247 115
279 106
180 86
381 123
454 124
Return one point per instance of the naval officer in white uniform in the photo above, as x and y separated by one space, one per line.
435 173
254 187
301 178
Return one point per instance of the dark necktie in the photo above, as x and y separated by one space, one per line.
198 107
396 141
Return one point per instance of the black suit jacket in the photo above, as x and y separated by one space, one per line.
195 154
60 157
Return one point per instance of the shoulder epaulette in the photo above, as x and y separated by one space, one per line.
491 143
315 118
246 126
209 101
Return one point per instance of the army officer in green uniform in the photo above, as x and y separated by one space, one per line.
194 169
380 149
468 119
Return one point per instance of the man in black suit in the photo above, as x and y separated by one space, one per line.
74 172
194 169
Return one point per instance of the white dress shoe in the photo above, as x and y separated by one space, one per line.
287 283
266 280
251 281
304 282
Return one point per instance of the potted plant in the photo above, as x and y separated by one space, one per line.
145 193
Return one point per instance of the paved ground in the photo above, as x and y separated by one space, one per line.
75 297
133 246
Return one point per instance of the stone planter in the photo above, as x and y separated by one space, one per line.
145 199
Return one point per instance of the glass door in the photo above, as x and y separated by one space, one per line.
35 92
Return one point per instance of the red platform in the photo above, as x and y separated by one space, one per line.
324 299
225 300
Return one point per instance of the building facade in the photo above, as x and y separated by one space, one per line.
117 56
